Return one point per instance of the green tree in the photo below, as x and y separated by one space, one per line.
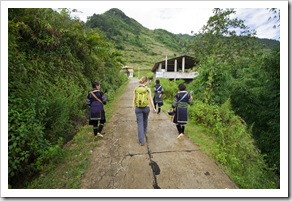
51 61
218 46
256 97
233 65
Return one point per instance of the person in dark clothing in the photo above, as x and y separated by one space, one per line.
96 99
180 105
157 99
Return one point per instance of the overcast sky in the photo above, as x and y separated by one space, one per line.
184 20
175 16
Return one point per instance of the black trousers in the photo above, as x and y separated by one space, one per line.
97 126
159 105
180 128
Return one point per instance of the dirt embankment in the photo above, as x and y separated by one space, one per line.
165 162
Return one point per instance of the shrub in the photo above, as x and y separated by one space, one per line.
25 136
235 148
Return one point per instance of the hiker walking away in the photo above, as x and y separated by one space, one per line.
96 99
180 105
141 100
158 90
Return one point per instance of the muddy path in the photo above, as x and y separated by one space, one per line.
165 162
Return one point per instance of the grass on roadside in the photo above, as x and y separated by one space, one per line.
196 133
67 173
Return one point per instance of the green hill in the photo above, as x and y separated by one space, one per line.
140 46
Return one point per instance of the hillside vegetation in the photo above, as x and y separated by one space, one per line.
53 59
141 47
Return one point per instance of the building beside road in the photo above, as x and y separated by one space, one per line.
128 70
181 67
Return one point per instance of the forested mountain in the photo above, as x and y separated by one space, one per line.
53 58
143 47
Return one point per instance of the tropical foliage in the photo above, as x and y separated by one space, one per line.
140 45
238 98
51 63
236 67
53 58
231 143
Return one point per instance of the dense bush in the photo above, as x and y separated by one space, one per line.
240 68
235 151
51 63
235 147
256 97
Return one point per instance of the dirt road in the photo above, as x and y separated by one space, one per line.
164 162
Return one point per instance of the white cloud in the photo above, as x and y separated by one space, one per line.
182 16
258 19
186 20
175 20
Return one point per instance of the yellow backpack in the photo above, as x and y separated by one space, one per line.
141 93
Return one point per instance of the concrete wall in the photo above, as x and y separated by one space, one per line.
176 75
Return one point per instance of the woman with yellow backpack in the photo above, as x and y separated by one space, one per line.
141 100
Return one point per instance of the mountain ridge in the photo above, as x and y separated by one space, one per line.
141 46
